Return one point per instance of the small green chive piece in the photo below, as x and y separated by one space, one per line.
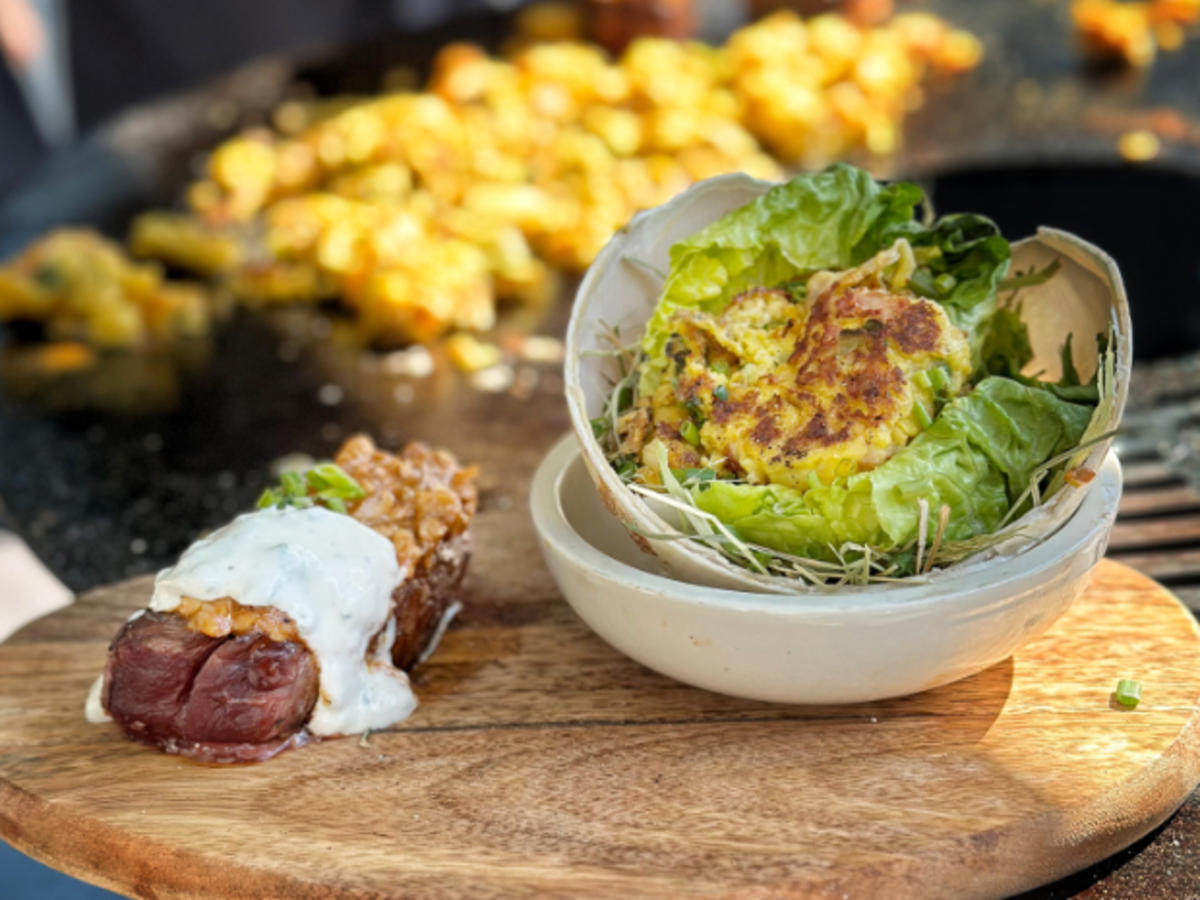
922 414
600 426
1129 692
293 484
337 504
938 378
333 479
690 433
720 367
267 499
721 392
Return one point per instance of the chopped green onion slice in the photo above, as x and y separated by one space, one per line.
293 484
690 433
601 425
328 477
721 392
325 483
938 378
1129 692
720 367
922 414
945 283
1030 278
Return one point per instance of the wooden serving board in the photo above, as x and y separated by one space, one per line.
542 761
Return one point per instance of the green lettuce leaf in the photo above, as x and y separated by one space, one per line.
832 219
977 458
1017 426
1006 349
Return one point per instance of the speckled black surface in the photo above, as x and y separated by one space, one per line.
102 495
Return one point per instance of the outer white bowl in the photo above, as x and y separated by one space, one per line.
823 646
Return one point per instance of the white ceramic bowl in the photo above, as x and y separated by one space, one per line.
844 645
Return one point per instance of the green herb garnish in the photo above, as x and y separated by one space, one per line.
1030 278
1070 375
325 483
937 377
945 283
721 392
690 433
625 466
922 414
1128 692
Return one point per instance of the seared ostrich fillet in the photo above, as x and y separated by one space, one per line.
300 619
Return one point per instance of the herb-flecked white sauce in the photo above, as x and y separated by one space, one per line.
334 577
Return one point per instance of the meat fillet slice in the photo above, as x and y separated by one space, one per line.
423 601
423 501
220 682
217 699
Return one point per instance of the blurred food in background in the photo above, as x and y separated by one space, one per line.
613 24
860 12
1130 33
69 376
420 211
81 286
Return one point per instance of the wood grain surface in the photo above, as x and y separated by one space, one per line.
541 761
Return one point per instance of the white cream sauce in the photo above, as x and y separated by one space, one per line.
93 709
334 577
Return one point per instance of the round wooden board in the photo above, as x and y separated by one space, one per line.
541 761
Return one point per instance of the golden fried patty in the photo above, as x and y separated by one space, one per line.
785 392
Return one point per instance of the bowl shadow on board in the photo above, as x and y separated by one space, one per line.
973 703
944 726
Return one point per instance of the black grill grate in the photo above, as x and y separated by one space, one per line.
1158 527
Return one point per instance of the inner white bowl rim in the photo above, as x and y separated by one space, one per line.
987 582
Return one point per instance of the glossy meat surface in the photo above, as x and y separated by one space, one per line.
222 682
221 700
